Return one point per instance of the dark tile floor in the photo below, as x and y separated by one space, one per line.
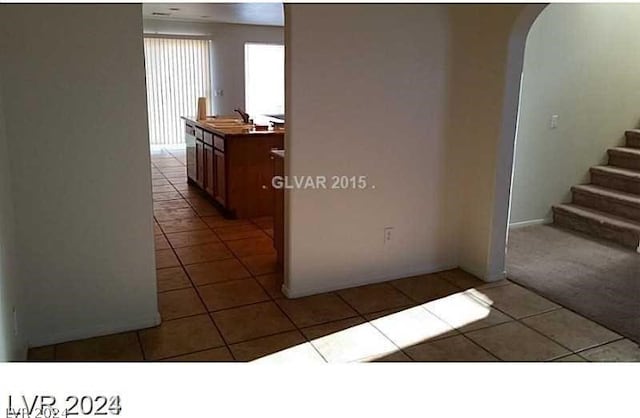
219 298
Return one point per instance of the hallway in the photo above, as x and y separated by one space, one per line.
220 300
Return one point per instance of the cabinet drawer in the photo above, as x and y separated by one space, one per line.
218 142
199 133
189 130
208 138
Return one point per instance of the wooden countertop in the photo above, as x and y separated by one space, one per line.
234 131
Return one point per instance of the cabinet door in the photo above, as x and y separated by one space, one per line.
278 212
209 182
220 188
190 141
200 163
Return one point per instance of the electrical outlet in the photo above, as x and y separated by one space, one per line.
388 234
15 322
219 93
553 124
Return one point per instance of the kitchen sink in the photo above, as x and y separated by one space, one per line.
232 123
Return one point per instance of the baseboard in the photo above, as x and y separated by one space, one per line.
94 331
298 293
523 224
495 277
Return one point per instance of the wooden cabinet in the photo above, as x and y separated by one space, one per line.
190 144
278 207
220 189
200 164
209 171
232 168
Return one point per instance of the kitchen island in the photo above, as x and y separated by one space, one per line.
230 162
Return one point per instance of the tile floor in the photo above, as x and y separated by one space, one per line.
220 300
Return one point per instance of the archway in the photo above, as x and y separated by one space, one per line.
506 146
575 68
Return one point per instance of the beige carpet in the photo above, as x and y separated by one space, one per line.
595 278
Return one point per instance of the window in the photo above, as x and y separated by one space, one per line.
178 72
264 79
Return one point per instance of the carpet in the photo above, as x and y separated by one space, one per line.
594 278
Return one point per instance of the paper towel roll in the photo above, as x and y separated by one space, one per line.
202 108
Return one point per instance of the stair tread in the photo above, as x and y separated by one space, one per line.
600 217
630 198
632 174
635 152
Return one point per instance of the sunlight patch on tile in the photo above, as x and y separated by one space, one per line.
466 312
301 353
359 343
412 326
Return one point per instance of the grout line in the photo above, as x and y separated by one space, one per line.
519 320
361 315
199 296
262 287
198 352
272 299
482 348
299 329
459 332
207 311
567 308
582 350
234 256
144 356
188 198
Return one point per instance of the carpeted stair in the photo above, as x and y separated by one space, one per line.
609 207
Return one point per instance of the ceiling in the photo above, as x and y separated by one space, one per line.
271 14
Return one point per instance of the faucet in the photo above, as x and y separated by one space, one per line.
243 114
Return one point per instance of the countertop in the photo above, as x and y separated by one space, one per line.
262 120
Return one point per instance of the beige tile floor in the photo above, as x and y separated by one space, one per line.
220 300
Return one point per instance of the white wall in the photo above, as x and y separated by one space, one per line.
11 346
479 115
74 96
227 53
422 108
580 64
367 95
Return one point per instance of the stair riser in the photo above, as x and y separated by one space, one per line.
615 182
606 205
627 239
633 140
632 163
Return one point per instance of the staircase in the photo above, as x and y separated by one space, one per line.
609 207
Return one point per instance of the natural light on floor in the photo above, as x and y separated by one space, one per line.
360 341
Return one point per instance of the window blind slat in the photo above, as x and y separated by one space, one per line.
177 73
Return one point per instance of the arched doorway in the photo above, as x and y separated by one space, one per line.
574 69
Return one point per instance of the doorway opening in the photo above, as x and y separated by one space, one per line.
574 217
219 248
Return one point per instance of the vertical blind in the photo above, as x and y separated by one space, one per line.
178 73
